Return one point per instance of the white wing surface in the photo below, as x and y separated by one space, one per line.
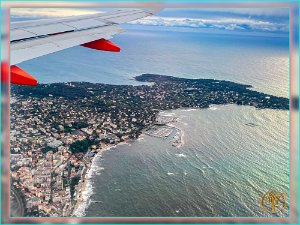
31 39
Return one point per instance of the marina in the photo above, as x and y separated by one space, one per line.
160 131
166 126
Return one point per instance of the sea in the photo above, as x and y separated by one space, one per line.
232 155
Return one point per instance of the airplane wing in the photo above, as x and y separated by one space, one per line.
35 38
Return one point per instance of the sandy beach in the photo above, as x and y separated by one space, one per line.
85 187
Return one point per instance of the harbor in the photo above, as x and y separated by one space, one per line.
166 127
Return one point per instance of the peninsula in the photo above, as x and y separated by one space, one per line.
56 129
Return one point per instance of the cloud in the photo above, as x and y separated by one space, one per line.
250 11
218 22
49 12
223 23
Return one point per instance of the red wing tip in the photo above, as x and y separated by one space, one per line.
102 44
19 76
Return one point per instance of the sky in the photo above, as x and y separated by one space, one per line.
242 20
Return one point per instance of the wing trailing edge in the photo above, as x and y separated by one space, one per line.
32 39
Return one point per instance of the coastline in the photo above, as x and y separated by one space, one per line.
206 169
85 186
178 139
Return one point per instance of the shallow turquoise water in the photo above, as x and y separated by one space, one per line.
225 165
222 170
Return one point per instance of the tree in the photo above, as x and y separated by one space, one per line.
82 146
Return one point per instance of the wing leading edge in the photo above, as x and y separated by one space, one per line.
32 39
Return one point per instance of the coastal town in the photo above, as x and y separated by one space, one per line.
57 129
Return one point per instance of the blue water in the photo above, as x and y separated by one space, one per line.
183 52
227 165
222 170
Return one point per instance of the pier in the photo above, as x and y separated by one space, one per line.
160 131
